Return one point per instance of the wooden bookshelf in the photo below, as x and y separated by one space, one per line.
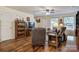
20 29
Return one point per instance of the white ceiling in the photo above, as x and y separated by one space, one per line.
39 10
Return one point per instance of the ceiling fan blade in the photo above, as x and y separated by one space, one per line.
52 12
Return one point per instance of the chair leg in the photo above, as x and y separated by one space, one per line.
33 46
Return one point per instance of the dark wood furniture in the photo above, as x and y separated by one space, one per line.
38 36
77 39
28 32
20 29
77 29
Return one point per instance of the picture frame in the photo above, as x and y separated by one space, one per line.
28 18
38 20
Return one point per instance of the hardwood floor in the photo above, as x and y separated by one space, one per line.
25 45
20 45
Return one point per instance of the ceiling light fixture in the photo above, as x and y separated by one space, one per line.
48 11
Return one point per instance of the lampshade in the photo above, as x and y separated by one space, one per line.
61 25
56 25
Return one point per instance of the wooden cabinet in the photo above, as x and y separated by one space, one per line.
77 38
20 29
77 29
27 32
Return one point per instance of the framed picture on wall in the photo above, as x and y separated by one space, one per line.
28 18
38 20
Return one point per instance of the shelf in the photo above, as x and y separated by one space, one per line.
20 28
21 32
21 24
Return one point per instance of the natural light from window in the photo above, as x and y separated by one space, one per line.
53 21
69 23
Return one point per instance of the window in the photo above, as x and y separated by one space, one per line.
69 23
53 20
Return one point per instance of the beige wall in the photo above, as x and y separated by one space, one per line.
44 22
7 17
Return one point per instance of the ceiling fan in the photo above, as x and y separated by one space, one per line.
48 11
45 11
